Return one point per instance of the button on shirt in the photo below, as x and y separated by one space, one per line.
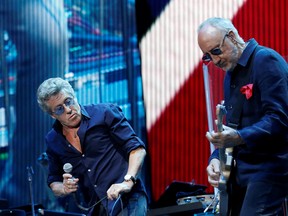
106 140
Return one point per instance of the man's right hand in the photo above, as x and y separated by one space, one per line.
213 171
69 183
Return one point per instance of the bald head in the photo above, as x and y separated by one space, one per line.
209 35
220 42
216 26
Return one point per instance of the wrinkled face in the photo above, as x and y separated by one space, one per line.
218 47
65 109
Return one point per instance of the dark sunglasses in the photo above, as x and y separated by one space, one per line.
216 51
59 110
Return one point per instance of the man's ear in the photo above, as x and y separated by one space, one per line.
232 36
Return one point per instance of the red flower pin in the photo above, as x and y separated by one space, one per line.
247 90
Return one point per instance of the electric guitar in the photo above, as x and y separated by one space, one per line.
226 160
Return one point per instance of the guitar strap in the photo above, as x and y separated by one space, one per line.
234 119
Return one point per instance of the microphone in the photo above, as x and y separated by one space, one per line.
67 167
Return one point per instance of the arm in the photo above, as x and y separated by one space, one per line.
136 159
270 95
124 136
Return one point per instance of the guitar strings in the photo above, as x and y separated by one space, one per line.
216 200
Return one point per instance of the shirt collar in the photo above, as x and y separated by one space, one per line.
247 52
84 112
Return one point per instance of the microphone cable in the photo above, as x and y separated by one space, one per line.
86 208
118 198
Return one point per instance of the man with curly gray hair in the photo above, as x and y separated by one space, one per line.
100 148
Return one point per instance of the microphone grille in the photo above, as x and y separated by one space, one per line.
67 167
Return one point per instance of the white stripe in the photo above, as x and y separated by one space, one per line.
170 52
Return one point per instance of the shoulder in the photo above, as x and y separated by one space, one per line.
268 56
268 61
103 112
50 136
101 107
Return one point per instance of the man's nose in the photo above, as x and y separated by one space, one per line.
216 59
67 108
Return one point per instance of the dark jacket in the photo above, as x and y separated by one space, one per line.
263 122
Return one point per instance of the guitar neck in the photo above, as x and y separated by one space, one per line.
219 127
220 112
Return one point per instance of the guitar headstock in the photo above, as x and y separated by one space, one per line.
220 113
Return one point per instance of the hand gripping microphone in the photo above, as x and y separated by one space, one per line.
67 167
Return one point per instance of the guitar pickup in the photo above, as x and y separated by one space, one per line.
229 160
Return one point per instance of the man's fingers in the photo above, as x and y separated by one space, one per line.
208 135
216 170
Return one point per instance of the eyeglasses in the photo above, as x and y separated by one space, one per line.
216 51
59 110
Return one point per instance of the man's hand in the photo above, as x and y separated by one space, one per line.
225 139
70 184
213 171
116 189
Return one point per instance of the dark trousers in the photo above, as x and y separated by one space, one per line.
258 198
136 205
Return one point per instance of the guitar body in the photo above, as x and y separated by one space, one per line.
226 162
